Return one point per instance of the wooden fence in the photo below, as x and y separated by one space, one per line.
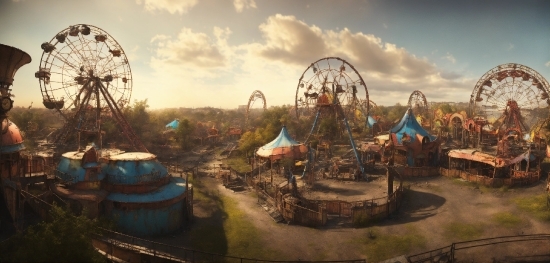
425 171
517 177
316 212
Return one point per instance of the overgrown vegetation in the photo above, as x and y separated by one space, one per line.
377 246
66 238
506 219
237 163
536 205
459 231
235 236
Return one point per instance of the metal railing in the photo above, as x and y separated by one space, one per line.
448 253
177 253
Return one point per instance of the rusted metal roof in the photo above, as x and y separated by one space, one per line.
495 161
132 156
76 194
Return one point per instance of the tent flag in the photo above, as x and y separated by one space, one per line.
173 125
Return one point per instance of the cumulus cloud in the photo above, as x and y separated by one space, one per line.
172 6
217 70
240 5
195 49
547 64
291 41
510 46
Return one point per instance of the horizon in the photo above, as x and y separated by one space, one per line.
213 53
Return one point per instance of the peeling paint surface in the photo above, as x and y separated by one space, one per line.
70 168
134 168
175 188
12 140
147 222
155 216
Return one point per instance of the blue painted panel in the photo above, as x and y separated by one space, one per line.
12 148
149 222
175 188
71 170
133 172
371 121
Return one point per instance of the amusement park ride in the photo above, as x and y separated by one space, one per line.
85 76
509 99
419 105
13 165
331 87
256 95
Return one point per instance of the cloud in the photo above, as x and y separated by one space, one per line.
291 41
449 57
215 73
240 5
547 64
385 25
190 48
510 46
172 6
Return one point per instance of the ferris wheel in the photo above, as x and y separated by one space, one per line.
73 60
418 103
332 80
508 87
83 74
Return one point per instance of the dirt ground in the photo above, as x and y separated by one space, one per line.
437 211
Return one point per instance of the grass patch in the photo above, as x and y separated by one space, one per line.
228 231
506 219
378 247
238 163
462 182
458 231
535 205
504 188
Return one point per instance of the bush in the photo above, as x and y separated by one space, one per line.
67 238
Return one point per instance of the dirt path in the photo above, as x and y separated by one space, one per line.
436 212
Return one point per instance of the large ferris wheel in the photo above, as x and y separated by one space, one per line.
330 80
84 74
510 88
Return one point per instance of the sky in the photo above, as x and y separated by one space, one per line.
191 53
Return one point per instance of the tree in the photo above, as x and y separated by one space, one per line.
66 238
184 132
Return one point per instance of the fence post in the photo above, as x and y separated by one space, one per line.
453 252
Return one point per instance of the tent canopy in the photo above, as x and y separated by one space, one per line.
410 126
371 121
282 146
173 125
